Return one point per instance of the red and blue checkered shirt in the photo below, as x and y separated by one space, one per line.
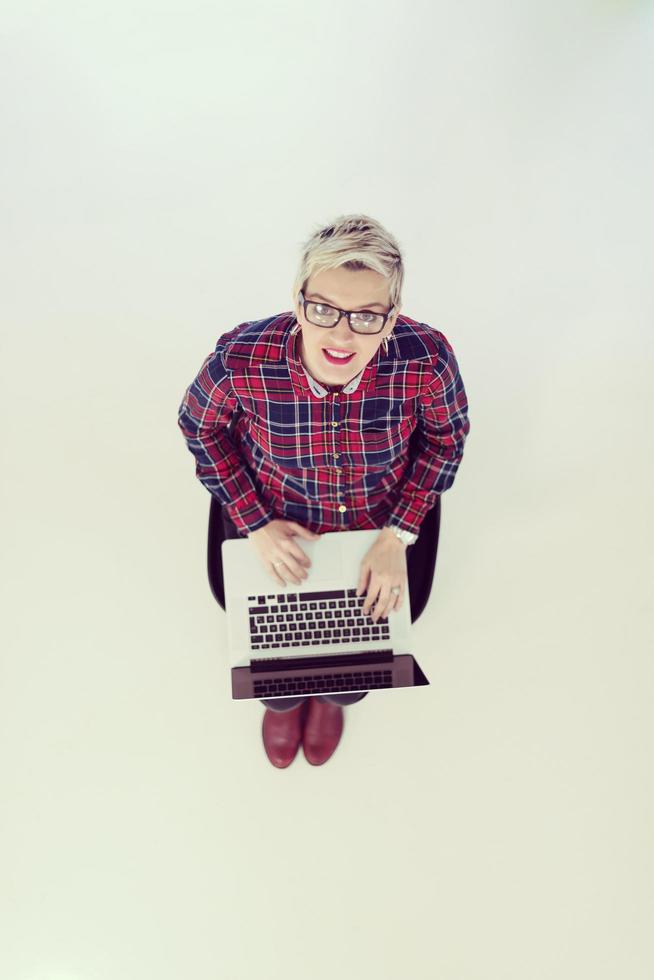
271 442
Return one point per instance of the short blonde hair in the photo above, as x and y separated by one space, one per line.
354 241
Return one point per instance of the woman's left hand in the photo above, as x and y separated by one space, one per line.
383 567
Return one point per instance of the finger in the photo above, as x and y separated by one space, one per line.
388 607
373 592
279 570
296 567
363 580
389 601
292 569
296 552
381 607
275 574
395 601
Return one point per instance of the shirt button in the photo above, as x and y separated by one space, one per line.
342 508
334 424
336 455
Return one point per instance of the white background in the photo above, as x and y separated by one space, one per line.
161 165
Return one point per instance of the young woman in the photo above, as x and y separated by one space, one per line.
338 415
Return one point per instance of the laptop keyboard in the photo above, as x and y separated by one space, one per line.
318 683
311 619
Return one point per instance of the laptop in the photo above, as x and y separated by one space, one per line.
312 638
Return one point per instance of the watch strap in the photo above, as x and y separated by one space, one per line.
406 537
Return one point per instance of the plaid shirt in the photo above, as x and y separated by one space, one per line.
272 442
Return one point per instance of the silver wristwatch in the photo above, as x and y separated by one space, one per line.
406 537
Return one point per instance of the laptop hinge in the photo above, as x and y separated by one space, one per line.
327 660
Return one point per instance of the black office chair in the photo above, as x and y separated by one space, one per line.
421 557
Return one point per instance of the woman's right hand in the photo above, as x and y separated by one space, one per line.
274 542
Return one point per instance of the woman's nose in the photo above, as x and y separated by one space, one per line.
341 335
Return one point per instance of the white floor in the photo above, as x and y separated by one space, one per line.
496 825
500 816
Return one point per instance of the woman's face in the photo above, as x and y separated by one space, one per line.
348 290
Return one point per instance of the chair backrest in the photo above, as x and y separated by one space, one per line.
214 552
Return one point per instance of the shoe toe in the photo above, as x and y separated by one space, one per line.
322 732
282 734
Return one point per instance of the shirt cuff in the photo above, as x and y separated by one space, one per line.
408 516
252 519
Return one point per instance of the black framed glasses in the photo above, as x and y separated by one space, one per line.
361 321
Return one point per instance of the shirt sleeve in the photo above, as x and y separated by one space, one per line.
204 417
442 428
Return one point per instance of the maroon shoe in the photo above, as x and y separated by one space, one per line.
322 731
282 734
